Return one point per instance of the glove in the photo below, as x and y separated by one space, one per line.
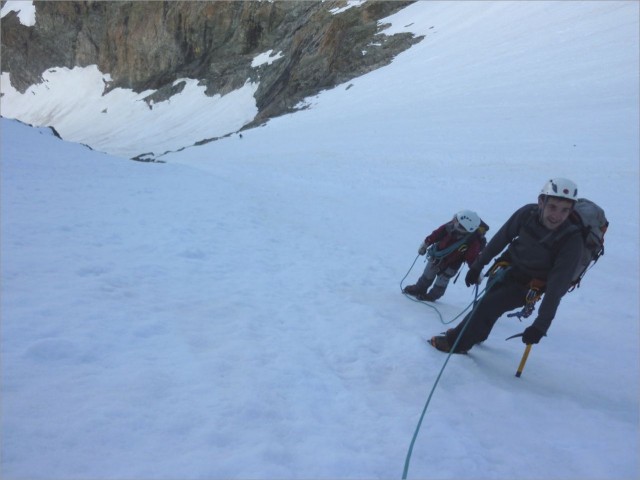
472 277
531 335
423 248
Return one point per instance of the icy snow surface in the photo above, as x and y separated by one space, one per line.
121 122
236 313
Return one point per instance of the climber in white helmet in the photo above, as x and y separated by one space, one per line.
449 246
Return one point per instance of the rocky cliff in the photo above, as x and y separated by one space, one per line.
148 45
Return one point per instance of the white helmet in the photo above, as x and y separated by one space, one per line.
469 220
561 188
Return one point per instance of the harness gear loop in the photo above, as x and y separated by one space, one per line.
534 294
497 267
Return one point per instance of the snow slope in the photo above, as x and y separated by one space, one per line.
235 312
121 122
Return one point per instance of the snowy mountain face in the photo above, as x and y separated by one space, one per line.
159 58
235 312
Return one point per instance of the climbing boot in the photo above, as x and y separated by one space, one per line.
441 342
433 295
414 290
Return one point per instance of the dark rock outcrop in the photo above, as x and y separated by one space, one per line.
148 45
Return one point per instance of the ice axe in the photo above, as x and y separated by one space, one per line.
525 355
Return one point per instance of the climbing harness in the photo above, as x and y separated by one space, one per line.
498 269
534 294
536 289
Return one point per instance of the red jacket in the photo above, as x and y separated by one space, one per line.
445 236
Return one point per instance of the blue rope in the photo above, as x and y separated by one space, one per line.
426 405
493 279
430 305
415 299
435 253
